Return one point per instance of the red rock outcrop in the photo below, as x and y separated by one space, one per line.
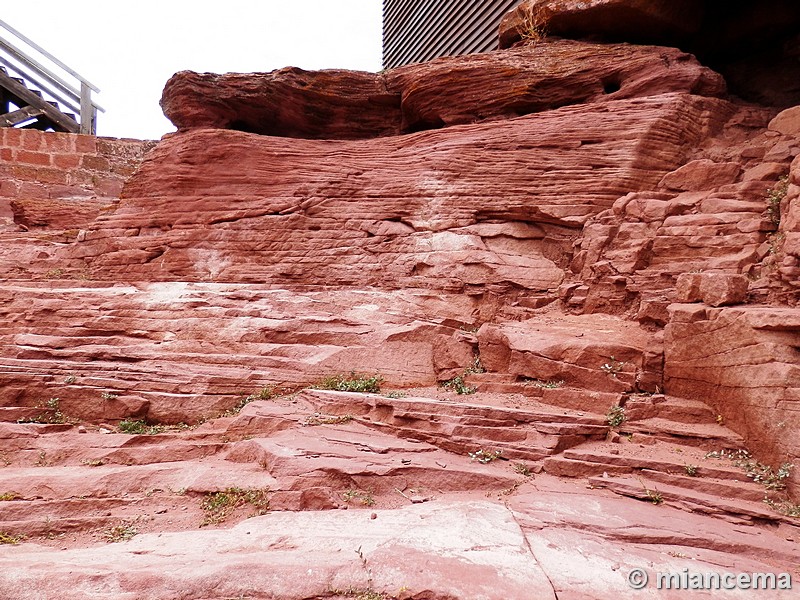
422 210
572 266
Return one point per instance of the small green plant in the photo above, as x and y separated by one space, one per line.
8 496
51 414
612 367
476 367
485 456
120 533
365 498
139 427
784 507
691 470
775 197
109 396
395 394
615 416
70 379
354 383
265 393
772 479
457 385
550 384
358 594
522 469
42 461
654 496
7 538
218 506
320 419
93 462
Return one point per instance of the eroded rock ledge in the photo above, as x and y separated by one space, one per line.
449 91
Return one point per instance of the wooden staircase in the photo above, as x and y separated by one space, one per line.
34 96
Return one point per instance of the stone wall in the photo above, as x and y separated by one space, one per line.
43 175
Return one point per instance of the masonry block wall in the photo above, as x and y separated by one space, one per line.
47 178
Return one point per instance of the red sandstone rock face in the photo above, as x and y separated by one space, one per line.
237 269
742 361
447 91
422 210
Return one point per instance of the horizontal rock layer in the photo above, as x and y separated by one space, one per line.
745 363
468 206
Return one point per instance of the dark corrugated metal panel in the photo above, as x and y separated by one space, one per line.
420 30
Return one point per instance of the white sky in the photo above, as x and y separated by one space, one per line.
130 48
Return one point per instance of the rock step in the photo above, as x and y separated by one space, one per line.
635 460
670 408
691 500
704 435
112 481
366 404
146 455
463 428
464 445
15 414
742 490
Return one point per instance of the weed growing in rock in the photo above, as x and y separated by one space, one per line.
8 496
774 198
69 379
691 470
360 496
612 367
358 594
772 479
320 419
522 469
218 506
51 414
265 393
395 394
550 384
784 507
533 28
615 416
120 533
654 496
457 385
7 538
476 367
485 456
109 396
42 461
93 462
139 427
355 383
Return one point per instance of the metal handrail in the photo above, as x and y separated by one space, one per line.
81 97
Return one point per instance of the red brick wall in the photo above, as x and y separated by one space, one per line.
35 166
